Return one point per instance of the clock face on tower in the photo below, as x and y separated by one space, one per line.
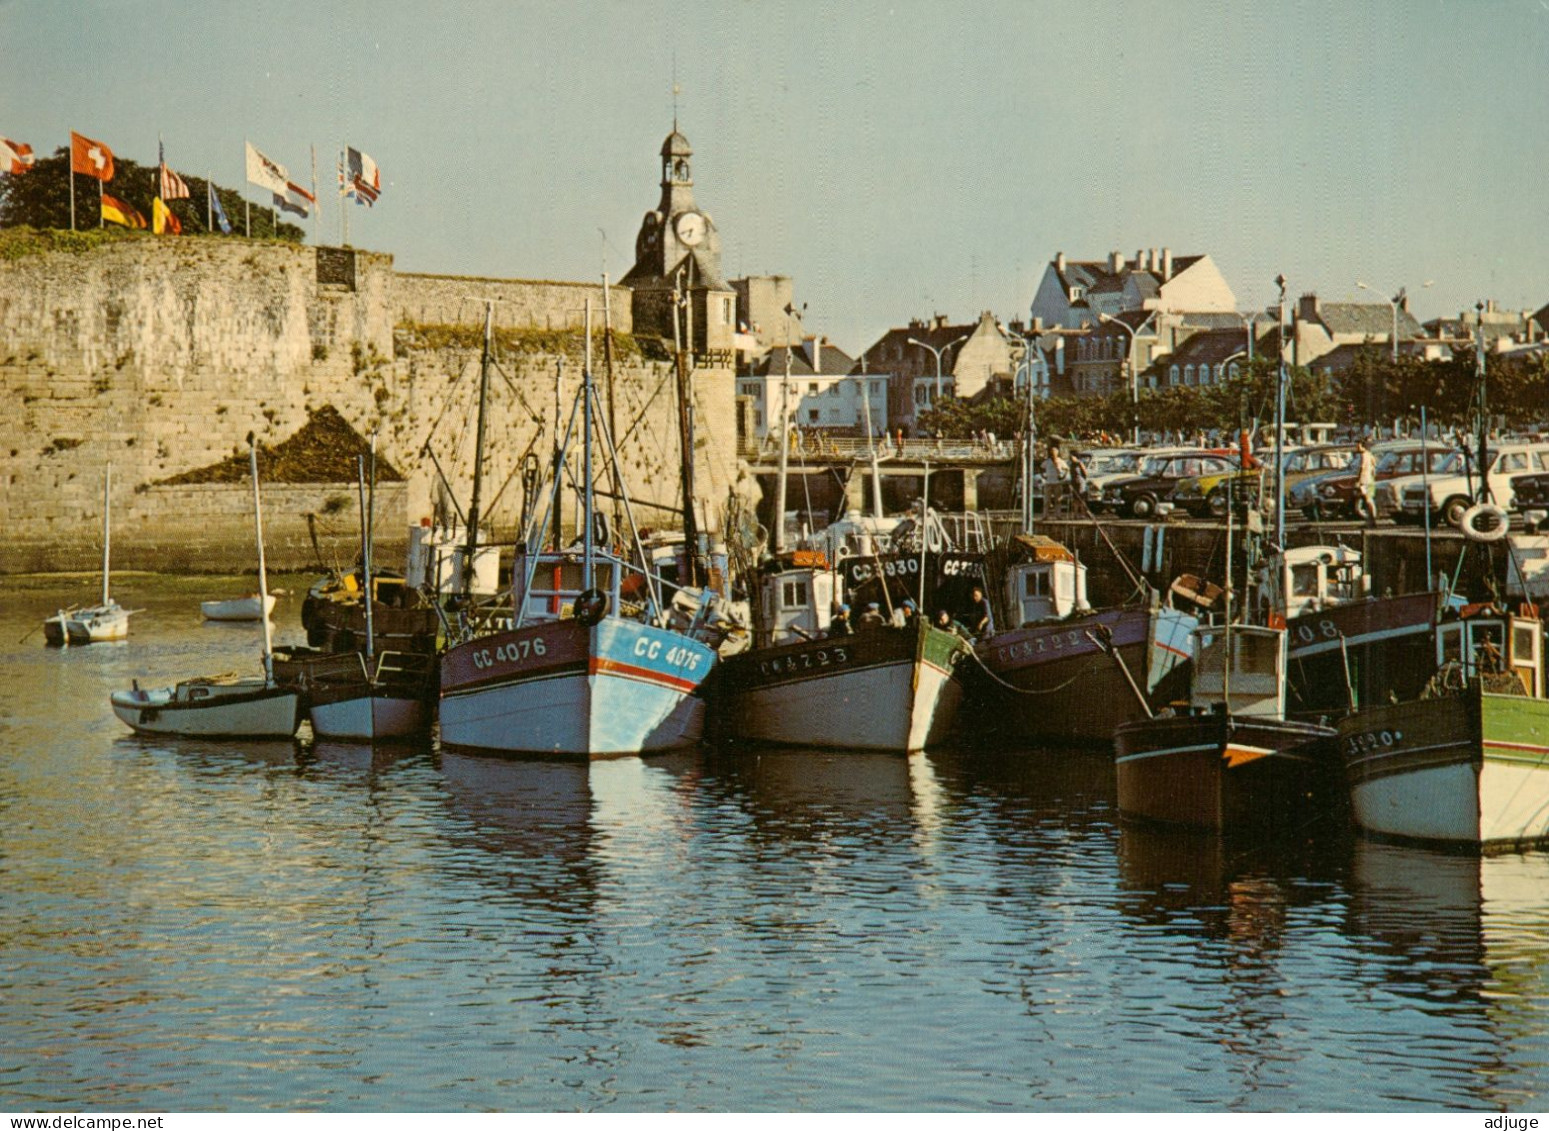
691 228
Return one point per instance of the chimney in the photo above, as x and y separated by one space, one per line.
1059 262
814 344
1167 264
1307 307
1115 262
1037 326
1151 259
1140 259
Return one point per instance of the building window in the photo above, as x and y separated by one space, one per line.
726 311
1188 375
812 388
876 387
812 416
833 390
1172 375
1235 370
758 418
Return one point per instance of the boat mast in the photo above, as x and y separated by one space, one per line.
685 429
263 582
1483 410
478 454
587 500
107 528
365 548
784 460
1279 432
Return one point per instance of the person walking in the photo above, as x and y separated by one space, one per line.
1366 481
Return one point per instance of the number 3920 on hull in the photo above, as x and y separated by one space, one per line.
564 689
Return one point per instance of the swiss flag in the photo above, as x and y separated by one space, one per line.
91 158
15 158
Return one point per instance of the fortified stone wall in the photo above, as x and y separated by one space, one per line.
159 356
542 305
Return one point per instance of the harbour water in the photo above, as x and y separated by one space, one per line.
196 926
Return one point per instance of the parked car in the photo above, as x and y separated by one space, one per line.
1531 492
1207 494
1332 495
1450 491
1137 495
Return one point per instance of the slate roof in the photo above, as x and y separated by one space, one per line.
1209 347
1366 318
832 362
892 353
1094 277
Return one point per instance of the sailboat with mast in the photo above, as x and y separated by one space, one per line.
371 693
584 671
220 706
106 621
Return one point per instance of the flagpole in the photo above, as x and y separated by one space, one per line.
247 207
317 201
101 223
72 182
209 204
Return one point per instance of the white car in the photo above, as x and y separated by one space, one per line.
1452 487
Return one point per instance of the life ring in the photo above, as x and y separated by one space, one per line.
1494 530
591 606
933 537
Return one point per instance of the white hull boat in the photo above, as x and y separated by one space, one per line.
250 607
212 708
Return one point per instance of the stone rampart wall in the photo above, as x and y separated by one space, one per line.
528 304
159 356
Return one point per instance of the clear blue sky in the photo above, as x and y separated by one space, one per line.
896 159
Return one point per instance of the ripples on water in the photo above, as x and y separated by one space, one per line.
193 925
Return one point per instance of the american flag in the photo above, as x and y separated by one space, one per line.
172 186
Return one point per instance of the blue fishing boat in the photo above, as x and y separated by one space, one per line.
592 663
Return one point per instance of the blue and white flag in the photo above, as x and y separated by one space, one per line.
215 205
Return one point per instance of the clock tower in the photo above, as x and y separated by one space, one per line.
677 267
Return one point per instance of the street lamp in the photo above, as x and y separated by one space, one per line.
1134 367
1394 303
1250 323
938 353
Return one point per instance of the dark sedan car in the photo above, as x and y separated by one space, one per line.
1530 492
1137 495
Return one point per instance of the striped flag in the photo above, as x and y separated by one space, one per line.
115 211
365 179
15 158
172 186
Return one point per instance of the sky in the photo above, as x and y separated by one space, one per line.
896 160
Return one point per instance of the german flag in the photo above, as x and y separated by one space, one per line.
115 211
165 221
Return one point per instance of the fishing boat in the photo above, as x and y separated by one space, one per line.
254 606
367 694
881 687
221 706
1467 764
1234 762
1066 673
586 670
1347 647
105 621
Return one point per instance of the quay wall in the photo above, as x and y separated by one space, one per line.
159 356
